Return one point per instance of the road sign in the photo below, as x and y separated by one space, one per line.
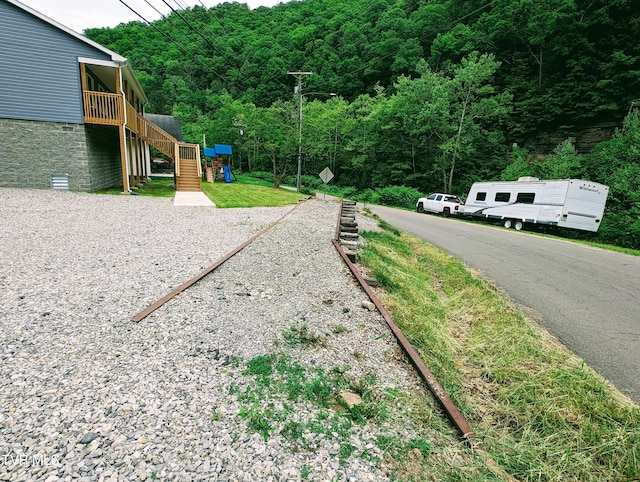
326 175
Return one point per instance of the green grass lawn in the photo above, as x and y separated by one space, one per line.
245 192
248 192
156 187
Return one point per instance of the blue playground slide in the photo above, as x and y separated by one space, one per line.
227 173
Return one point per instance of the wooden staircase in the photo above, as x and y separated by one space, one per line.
188 179
186 157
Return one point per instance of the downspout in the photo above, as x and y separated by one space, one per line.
145 147
124 125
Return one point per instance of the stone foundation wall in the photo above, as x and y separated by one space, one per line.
31 151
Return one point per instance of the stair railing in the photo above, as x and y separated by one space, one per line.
169 145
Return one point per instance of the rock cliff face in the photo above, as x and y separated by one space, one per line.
584 138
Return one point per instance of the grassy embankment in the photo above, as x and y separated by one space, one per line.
539 410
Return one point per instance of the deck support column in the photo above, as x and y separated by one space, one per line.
132 166
143 176
122 131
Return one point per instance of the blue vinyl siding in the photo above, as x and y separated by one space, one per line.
39 70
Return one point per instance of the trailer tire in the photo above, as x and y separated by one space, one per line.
518 225
508 223
420 208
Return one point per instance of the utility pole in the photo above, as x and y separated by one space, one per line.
237 122
299 76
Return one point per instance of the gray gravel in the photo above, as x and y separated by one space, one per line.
86 394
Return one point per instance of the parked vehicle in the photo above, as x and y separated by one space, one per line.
439 203
568 203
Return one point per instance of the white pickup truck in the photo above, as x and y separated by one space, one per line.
445 204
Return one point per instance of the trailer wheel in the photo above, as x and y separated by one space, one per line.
518 225
508 223
420 208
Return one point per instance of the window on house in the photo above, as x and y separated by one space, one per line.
481 196
503 197
525 197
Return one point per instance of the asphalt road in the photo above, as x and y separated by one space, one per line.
588 298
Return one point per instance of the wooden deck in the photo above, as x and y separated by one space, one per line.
110 109
103 108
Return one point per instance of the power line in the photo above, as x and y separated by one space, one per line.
168 19
191 26
164 17
215 17
240 66
475 11
157 11
176 43
422 38
181 4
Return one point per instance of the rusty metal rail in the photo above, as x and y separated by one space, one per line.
154 306
450 409
443 399
453 413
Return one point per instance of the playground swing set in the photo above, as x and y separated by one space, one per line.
218 167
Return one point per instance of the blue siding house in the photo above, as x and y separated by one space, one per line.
72 112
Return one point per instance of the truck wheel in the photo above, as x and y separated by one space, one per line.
446 212
508 223
518 225
420 208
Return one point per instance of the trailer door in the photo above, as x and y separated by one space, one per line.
554 195
584 205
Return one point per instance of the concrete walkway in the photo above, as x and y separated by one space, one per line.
184 198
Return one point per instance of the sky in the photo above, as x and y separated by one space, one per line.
82 14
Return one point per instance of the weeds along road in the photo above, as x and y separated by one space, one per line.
587 297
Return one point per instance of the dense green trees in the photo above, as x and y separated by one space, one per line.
432 94
563 60
615 163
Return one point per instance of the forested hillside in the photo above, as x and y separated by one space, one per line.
565 61
430 94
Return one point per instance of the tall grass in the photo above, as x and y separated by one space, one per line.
540 411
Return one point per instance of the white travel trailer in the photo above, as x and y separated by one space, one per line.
567 203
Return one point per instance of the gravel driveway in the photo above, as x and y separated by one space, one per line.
86 394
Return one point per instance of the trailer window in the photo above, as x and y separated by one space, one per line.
503 197
481 196
525 197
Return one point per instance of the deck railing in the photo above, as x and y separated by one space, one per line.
103 108
155 136
109 109
132 119
190 152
